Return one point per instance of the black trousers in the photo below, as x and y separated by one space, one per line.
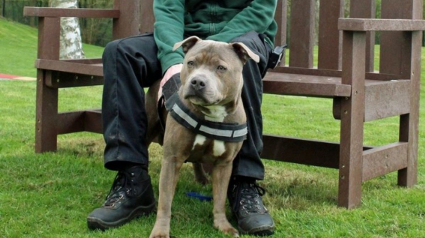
130 65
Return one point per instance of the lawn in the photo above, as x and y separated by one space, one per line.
50 194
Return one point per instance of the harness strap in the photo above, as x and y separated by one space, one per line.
229 132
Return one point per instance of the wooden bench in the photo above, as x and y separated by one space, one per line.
344 73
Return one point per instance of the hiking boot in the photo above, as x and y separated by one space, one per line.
247 206
130 197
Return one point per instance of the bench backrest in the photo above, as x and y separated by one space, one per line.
314 23
309 16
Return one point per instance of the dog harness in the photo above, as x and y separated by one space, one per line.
229 132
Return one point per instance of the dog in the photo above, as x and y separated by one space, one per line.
206 123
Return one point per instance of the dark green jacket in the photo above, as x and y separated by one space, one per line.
220 20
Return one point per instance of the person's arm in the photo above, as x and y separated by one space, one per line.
169 29
257 16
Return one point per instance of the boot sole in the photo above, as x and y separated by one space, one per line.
259 231
97 224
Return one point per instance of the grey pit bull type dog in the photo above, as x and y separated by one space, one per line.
211 86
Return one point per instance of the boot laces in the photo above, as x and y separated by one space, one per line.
250 198
122 186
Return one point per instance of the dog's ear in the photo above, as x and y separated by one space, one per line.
187 43
244 52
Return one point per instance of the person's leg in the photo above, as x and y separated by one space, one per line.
244 194
129 65
248 162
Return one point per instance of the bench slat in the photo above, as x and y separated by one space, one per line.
294 150
363 24
383 160
288 149
68 80
71 12
78 67
379 99
395 46
307 85
281 18
72 73
366 9
302 33
76 121
335 73
329 36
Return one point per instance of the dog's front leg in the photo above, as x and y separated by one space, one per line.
220 181
167 185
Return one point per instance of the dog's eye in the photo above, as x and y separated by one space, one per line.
190 63
221 68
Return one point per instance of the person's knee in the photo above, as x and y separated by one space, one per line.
109 49
256 43
249 39
120 46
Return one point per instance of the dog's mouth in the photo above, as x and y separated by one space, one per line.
201 98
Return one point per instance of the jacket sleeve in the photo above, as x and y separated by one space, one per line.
257 16
168 29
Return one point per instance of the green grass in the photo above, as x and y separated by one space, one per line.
19 49
50 195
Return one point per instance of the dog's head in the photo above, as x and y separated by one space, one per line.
212 71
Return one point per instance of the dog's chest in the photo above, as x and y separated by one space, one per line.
217 147
208 150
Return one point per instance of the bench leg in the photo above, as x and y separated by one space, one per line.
409 124
46 115
351 157
408 177
352 113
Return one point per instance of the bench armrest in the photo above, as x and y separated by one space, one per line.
71 12
360 24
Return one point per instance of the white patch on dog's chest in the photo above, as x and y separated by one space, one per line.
199 140
217 114
218 148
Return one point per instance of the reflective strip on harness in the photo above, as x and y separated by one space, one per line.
184 116
241 132
216 132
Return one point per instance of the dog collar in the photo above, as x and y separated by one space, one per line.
229 132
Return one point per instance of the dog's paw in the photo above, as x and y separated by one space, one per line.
226 228
159 235
231 231
160 232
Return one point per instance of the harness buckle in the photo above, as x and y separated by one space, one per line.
276 56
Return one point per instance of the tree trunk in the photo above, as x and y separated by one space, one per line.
70 37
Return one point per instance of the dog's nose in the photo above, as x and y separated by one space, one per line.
198 83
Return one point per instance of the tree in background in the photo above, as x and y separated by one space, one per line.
70 37
96 31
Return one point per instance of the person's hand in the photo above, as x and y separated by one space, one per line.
175 69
